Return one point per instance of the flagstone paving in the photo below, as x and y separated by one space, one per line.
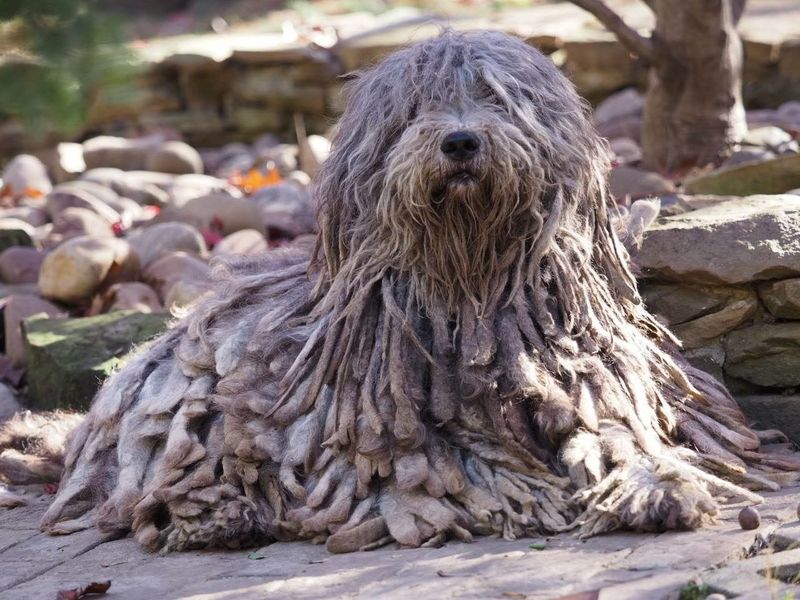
620 566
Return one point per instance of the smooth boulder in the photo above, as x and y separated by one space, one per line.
246 242
128 295
17 308
152 242
76 269
25 175
178 158
20 264
15 232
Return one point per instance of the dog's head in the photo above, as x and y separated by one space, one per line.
449 159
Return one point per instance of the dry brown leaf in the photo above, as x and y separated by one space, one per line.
94 588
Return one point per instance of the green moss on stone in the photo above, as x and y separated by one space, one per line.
68 359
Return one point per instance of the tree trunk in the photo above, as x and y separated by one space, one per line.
693 111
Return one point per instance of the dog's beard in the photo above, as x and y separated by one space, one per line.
456 234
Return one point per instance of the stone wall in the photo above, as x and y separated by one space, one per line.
726 279
215 88
256 91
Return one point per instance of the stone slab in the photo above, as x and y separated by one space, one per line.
618 566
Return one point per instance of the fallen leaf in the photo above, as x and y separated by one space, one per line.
537 546
33 192
515 595
255 179
94 588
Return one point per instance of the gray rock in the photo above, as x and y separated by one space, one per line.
626 103
765 355
748 155
153 242
25 173
782 298
131 185
233 165
175 267
20 264
774 176
300 178
182 294
35 216
283 156
773 411
626 150
129 295
629 127
708 328
68 359
245 242
709 359
770 137
66 161
188 187
679 204
76 269
214 158
16 309
15 232
679 303
286 209
174 157
129 211
118 152
81 194
790 111
733 242
9 405
75 221
220 211
636 183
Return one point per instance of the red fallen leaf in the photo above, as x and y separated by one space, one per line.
217 224
151 210
50 488
211 237
118 228
94 588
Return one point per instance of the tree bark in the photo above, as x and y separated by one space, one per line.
693 111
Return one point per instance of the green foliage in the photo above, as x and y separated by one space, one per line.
694 591
55 58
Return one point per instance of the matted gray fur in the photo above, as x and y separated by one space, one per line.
466 354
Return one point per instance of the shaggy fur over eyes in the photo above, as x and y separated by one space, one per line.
466 354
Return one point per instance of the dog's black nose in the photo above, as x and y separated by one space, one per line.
461 145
